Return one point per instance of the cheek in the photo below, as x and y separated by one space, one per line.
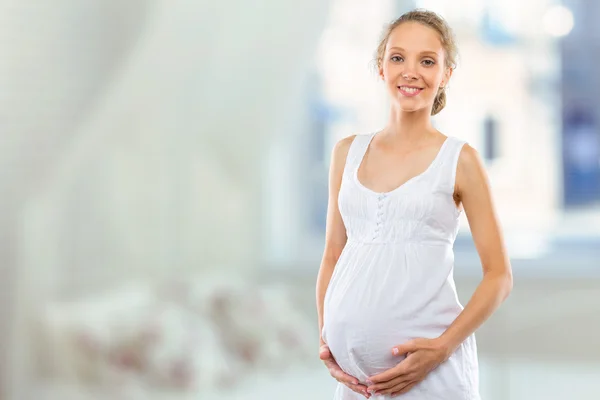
433 79
390 75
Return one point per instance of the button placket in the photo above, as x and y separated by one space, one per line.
380 200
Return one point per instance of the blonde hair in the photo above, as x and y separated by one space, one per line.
434 21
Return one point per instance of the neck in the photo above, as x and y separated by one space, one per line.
409 126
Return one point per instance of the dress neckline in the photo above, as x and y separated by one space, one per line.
405 183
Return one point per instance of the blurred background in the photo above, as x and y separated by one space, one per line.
164 187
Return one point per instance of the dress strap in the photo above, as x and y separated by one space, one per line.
357 151
448 164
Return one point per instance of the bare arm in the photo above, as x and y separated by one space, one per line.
335 240
335 232
473 190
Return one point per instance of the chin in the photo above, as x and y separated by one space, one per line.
409 108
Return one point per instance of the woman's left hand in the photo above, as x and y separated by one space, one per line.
423 355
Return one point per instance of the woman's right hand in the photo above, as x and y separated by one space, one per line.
338 374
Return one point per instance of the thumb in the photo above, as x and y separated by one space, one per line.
404 348
324 352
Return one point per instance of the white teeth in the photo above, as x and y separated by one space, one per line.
409 90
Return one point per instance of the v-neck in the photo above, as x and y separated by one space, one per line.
408 181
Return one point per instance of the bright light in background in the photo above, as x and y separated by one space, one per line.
558 21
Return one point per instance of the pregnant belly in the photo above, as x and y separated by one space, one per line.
364 349
380 297
362 341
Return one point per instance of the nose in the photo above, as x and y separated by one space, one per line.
409 72
409 75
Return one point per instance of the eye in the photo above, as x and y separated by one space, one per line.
396 59
428 63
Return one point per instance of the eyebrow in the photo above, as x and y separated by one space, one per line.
423 52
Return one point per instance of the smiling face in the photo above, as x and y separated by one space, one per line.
414 66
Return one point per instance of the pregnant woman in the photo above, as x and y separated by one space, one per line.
389 317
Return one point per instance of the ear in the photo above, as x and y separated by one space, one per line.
447 76
380 70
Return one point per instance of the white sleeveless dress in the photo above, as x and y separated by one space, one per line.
394 279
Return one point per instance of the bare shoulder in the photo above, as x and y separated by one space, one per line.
340 150
343 145
469 157
470 169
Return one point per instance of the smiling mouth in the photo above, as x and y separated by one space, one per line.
409 90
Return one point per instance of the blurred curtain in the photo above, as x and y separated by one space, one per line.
134 142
